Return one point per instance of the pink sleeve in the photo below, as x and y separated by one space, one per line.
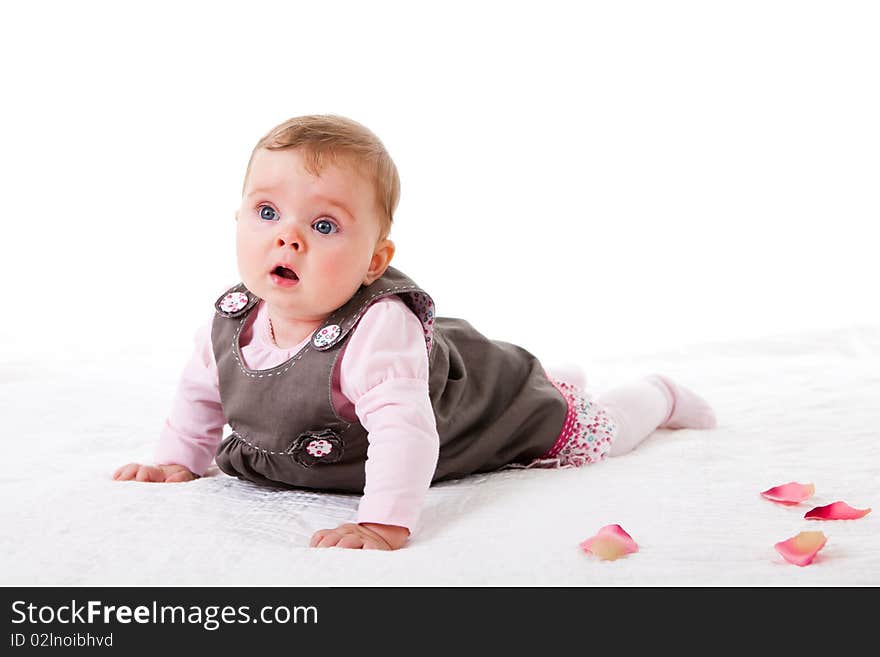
195 425
384 372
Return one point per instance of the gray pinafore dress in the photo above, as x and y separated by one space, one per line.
492 400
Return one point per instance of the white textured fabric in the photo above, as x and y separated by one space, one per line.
793 408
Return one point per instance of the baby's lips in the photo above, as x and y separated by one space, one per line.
836 511
610 543
790 493
801 549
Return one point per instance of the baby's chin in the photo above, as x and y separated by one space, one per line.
299 305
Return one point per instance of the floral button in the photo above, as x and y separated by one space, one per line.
233 302
326 335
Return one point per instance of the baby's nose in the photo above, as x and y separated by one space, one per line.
288 240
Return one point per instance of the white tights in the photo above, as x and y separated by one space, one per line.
654 402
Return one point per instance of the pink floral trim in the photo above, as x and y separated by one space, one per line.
587 433
422 305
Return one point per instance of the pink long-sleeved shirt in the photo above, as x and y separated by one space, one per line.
380 379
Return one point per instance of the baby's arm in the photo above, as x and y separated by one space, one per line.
194 426
384 372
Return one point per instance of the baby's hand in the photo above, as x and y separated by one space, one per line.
171 473
364 536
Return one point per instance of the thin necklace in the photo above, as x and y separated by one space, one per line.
272 332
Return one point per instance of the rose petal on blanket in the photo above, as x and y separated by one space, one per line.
610 543
836 511
801 549
790 493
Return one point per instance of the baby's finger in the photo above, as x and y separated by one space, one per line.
176 477
352 541
330 539
126 472
317 536
149 473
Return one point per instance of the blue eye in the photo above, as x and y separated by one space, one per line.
267 213
325 227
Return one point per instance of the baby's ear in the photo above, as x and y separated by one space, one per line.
381 259
236 215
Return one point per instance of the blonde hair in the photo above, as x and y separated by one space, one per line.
332 139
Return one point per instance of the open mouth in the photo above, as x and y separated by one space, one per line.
284 276
284 272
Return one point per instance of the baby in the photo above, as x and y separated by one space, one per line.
333 373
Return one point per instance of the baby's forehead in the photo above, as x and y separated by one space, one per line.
293 172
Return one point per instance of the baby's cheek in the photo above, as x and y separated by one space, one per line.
328 266
340 278
245 252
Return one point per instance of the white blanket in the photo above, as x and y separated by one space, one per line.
792 408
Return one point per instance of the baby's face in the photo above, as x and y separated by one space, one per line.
305 243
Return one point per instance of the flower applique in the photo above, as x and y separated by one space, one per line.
316 447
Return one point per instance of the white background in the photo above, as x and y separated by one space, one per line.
582 179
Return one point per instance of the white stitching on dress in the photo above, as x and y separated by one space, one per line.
254 374
237 436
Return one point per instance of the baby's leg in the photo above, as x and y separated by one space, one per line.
655 402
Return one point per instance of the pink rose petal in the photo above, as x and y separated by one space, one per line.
610 543
791 493
836 511
801 549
